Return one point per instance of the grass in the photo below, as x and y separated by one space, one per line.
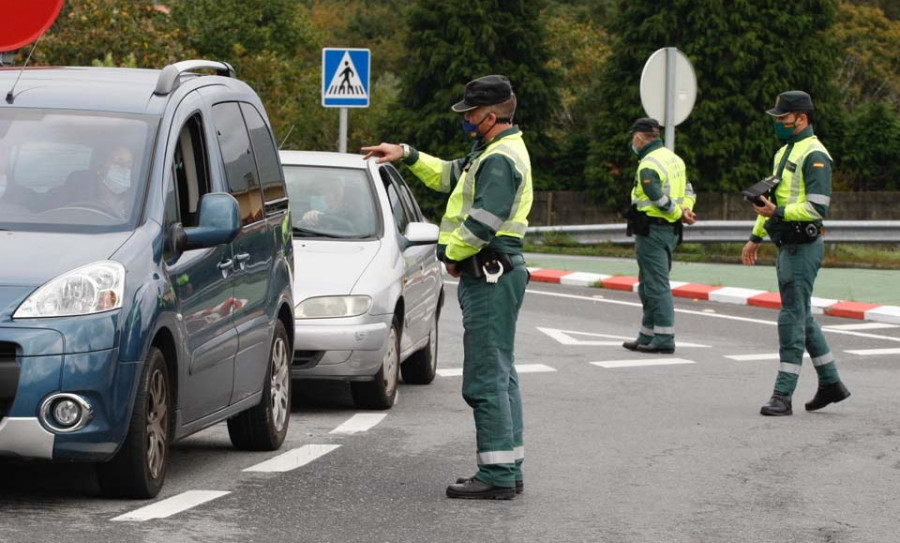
837 255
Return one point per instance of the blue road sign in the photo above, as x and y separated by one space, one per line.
345 77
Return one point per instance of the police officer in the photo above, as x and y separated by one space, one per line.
661 198
481 235
793 220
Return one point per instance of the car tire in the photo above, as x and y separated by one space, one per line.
264 426
421 367
381 392
138 470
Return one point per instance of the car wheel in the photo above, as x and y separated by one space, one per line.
420 368
381 393
139 468
264 426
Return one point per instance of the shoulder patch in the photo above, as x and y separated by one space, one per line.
818 164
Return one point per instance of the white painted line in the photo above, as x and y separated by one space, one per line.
752 357
860 326
582 279
566 338
885 313
520 368
874 352
171 506
733 295
820 304
533 368
293 459
677 284
360 422
639 363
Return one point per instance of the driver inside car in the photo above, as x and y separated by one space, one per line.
330 204
109 185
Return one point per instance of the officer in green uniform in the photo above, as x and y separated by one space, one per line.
481 236
661 199
793 220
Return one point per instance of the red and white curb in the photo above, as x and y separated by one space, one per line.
730 295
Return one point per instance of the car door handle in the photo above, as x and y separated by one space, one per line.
242 259
225 265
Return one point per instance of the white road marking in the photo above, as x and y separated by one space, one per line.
520 368
360 422
634 363
171 506
752 357
873 352
860 326
565 337
293 459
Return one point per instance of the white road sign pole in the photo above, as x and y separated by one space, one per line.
670 97
342 147
345 83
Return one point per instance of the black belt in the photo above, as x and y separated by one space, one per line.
660 221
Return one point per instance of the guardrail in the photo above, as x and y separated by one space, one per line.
726 232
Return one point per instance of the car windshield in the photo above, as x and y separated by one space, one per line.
331 202
72 171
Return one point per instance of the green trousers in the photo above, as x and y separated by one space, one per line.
654 258
490 383
797 267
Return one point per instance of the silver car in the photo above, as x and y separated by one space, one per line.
367 286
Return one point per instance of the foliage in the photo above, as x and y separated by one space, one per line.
727 142
868 71
448 44
111 33
871 146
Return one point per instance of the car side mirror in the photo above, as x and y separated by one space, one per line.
421 233
220 223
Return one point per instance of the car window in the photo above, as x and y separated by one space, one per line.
237 154
189 176
331 202
401 213
410 204
72 171
270 172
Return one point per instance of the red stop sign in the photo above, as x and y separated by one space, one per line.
22 21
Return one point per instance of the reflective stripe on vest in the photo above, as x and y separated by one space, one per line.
463 196
792 188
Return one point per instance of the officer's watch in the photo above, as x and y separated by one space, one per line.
405 148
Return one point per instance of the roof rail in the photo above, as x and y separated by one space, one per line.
169 78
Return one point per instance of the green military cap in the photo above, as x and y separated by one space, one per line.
789 101
484 91
645 124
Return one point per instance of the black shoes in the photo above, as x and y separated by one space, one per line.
520 484
631 345
827 394
777 406
656 349
473 489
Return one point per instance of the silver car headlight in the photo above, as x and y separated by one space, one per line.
322 307
94 288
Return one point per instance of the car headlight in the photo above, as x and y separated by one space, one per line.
90 289
332 306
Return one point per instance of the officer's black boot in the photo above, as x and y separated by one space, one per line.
827 394
474 489
520 484
777 406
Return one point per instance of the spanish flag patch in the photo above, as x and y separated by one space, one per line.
818 164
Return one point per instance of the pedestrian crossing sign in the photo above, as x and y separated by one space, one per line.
345 77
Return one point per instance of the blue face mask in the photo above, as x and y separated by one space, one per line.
471 130
118 179
318 203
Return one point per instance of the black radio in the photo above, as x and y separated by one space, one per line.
752 194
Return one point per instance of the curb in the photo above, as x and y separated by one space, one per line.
729 295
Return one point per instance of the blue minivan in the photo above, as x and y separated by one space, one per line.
145 267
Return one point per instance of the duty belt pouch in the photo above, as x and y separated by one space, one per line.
638 223
486 258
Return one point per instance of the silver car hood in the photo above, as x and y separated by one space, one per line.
326 268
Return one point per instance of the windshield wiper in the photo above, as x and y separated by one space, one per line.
316 233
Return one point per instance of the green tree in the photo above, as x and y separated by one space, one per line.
744 53
448 44
871 61
111 33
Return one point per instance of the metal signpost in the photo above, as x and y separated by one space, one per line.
668 89
345 83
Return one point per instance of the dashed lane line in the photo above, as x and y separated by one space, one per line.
873 352
360 422
568 337
171 506
520 368
753 357
860 326
611 364
293 459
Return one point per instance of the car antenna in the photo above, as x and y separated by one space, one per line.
286 137
9 95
